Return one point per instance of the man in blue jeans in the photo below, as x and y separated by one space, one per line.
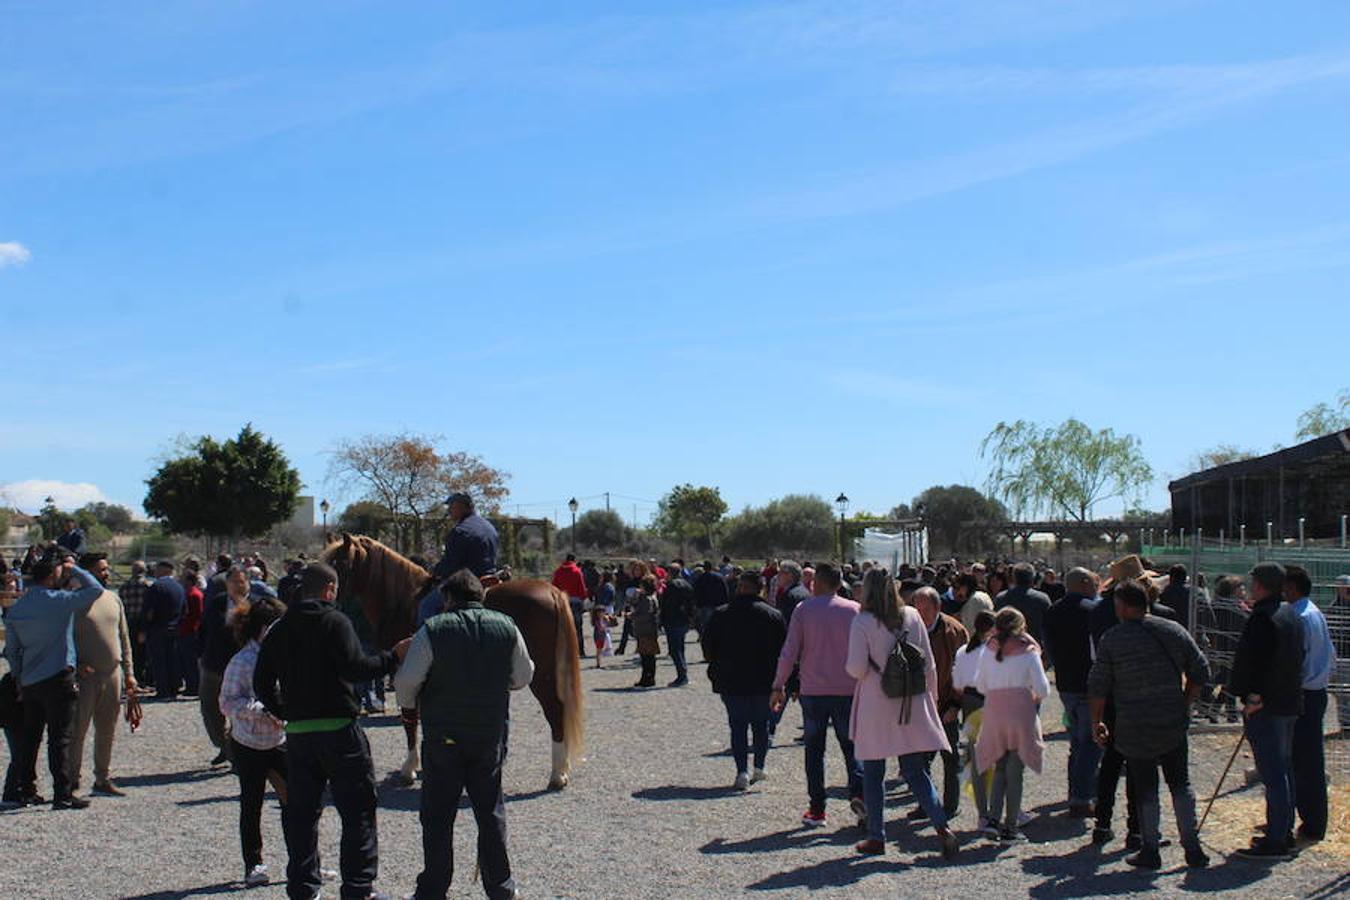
677 614
741 642
1068 636
1267 677
40 648
1319 661
817 645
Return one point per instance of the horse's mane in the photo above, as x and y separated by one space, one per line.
388 584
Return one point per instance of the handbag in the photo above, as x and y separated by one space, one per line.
905 674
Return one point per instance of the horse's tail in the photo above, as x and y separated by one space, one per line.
569 678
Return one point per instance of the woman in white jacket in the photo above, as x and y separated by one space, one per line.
1012 680
964 669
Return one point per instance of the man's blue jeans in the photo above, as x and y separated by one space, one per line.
1310 764
914 767
1272 740
818 715
748 712
675 635
1084 754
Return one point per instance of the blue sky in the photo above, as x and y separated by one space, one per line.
770 247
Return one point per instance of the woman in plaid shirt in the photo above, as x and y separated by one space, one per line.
257 737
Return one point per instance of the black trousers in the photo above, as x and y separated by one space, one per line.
448 770
163 646
253 767
50 703
340 761
648 669
20 776
1108 779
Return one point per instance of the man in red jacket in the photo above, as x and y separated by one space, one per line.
569 579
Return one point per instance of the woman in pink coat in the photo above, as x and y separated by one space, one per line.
875 726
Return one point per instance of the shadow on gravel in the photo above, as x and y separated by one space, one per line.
685 792
225 887
207 801
185 777
1078 875
832 873
1336 887
791 839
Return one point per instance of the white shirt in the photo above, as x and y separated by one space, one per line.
1021 671
966 664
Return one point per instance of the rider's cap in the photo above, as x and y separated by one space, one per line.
459 497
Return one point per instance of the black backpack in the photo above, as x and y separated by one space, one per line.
905 674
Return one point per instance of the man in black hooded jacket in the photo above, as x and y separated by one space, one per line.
315 655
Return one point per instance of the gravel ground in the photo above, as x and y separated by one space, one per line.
649 814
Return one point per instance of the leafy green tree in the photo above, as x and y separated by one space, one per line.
688 509
1220 455
901 511
52 521
1325 418
602 528
239 487
796 524
1063 470
958 510
365 517
112 516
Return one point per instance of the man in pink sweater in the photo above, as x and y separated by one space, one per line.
817 643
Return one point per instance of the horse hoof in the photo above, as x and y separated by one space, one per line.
557 782
404 778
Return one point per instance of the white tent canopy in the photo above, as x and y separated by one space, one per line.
893 549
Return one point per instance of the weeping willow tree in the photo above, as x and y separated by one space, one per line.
1064 470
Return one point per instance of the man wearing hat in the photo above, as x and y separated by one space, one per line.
472 542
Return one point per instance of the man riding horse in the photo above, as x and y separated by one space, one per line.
471 544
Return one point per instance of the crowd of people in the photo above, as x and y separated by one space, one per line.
945 661
982 639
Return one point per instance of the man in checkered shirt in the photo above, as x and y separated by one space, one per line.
132 593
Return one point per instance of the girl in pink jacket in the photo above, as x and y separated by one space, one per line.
1012 680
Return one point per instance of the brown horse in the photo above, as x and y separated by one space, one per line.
388 588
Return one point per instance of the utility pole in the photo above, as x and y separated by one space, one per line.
606 501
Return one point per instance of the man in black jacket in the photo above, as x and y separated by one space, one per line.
677 612
1030 602
1068 635
741 643
314 653
710 592
1267 678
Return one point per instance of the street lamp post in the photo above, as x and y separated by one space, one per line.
841 502
572 506
323 508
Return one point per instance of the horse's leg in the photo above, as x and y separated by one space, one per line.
546 692
409 771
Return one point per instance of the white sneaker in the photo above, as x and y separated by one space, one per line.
759 775
257 876
742 781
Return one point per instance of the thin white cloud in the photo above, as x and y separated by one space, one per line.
30 496
12 253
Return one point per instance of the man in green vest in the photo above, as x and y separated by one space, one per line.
460 669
